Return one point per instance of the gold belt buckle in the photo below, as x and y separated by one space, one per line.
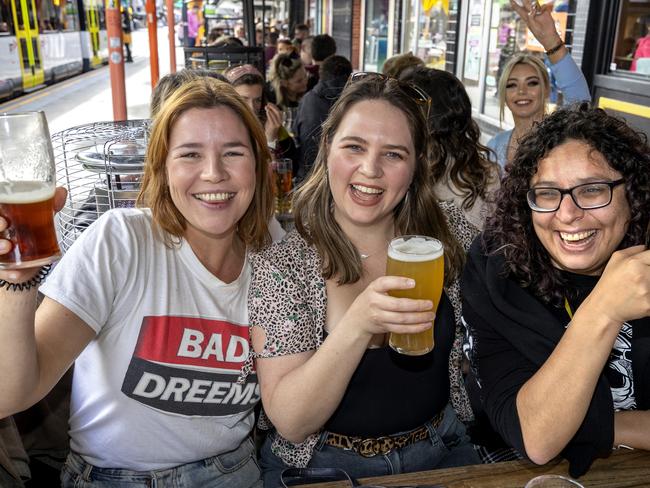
372 447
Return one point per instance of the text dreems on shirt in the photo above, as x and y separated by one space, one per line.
190 366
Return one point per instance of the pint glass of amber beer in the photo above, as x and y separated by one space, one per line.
282 174
27 182
422 259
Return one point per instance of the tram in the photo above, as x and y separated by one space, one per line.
45 41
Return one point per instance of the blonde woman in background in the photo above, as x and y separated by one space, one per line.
524 86
288 80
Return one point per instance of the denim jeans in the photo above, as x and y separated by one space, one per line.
234 469
448 445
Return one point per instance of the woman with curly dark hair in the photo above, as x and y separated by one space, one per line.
464 174
556 293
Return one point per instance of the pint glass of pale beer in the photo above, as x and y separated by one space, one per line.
27 183
420 258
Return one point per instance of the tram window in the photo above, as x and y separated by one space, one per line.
632 44
56 15
6 21
70 15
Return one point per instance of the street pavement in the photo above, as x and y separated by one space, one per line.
87 98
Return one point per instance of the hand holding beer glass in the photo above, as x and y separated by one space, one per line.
27 186
422 259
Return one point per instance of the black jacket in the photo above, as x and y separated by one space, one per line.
511 335
312 112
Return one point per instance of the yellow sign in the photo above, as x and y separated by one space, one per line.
429 4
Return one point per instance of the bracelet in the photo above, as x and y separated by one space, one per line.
26 285
555 49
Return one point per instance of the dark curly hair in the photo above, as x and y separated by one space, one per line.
510 230
465 159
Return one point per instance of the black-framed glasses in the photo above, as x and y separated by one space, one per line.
413 91
587 196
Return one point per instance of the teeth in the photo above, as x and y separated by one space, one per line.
214 197
365 189
576 236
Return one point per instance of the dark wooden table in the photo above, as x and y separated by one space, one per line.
623 469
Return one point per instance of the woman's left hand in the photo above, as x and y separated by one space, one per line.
539 20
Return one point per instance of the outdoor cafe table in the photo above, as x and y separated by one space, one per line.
623 469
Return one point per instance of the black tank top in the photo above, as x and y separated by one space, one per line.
391 392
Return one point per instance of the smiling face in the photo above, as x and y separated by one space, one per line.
210 171
252 95
370 164
580 241
525 92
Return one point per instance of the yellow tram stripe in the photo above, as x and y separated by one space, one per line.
626 107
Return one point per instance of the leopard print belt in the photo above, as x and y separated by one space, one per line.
369 447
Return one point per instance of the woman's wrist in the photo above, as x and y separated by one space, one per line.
555 48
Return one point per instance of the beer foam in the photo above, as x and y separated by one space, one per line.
25 191
415 249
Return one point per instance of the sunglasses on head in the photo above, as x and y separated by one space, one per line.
413 91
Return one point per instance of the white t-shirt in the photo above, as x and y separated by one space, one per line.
157 387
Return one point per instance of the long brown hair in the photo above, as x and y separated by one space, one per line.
462 157
417 213
204 93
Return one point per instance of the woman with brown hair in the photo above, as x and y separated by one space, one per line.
464 173
149 303
320 308
249 84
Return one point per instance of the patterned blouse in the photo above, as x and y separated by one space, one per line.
288 300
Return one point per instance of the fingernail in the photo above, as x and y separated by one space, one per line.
5 246
410 283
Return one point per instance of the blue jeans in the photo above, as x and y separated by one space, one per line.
448 445
234 469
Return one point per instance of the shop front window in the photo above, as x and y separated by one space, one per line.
508 35
505 34
473 51
425 30
410 16
632 44
376 35
432 40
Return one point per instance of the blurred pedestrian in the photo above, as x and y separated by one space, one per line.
127 28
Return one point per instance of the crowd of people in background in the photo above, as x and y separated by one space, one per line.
546 300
